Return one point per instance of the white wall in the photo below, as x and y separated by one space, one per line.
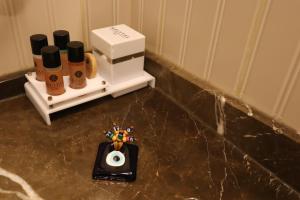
21 18
249 49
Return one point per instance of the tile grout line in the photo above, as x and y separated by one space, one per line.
184 36
17 35
289 84
26 59
187 31
85 22
52 8
141 15
118 11
183 31
114 12
214 38
50 16
12 28
158 26
162 27
252 35
256 44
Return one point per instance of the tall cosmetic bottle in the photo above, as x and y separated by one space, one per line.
53 70
38 41
76 65
61 39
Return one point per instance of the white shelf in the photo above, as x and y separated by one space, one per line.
96 88
93 85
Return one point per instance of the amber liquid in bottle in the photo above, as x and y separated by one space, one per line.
77 75
61 39
64 62
38 41
54 81
39 68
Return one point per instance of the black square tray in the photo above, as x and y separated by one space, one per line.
127 172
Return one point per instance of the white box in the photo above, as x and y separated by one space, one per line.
119 51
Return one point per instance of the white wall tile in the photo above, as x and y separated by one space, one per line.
214 40
173 29
291 112
135 14
199 35
150 23
9 56
274 54
31 16
100 13
235 26
67 15
124 12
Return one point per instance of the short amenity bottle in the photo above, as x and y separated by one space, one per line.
38 41
61 39
76 65
53 70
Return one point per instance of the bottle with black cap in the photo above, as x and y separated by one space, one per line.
53 70
76 65
38 41
61 39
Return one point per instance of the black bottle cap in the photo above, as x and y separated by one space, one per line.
61 38
75 51
38 41
51 56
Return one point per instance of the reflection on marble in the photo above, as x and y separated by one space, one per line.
30 193
269 146
179 158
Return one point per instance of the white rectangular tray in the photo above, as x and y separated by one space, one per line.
96 88
95 84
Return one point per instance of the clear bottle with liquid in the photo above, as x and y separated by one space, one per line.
38 41
61 39
76 65
53 70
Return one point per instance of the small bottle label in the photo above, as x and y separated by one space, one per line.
77 75
54 81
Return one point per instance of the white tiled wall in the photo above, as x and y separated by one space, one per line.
249 49
21 18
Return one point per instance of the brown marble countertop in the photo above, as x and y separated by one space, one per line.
179 157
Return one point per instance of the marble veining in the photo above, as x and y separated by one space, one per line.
193 145
220 114
30 193
269 143
180 157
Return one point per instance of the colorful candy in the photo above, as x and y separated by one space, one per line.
120 136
